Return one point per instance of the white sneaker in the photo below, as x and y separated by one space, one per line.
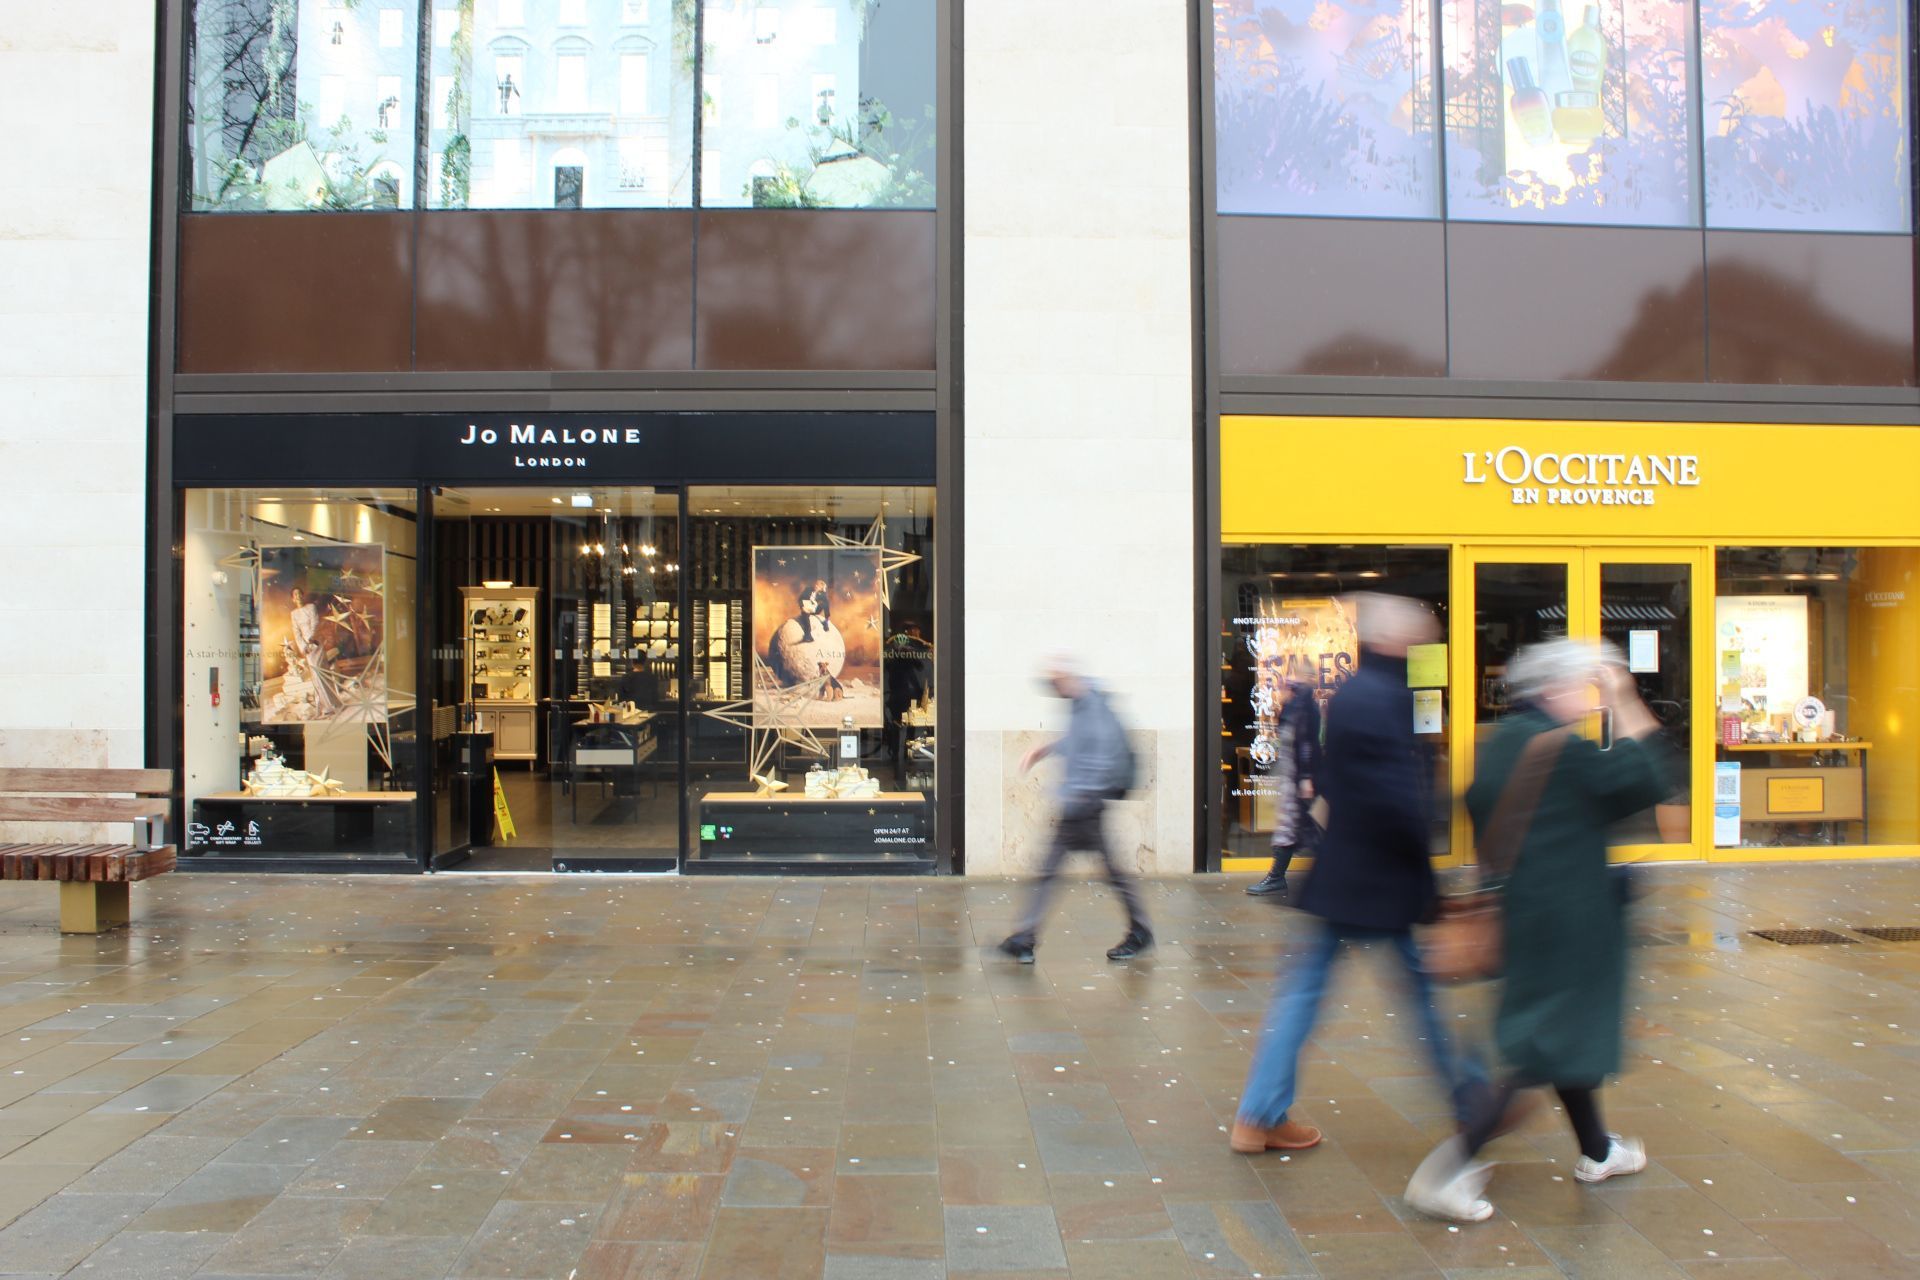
1448 1186
1624 1155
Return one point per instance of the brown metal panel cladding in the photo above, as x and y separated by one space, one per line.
1832 310
1614 304
1332 296
572 289
816 289
295 293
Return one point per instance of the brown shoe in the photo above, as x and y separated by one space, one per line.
1288 1135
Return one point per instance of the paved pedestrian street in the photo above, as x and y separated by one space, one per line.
680 1078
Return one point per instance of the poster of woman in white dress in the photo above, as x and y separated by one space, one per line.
818 627
322 631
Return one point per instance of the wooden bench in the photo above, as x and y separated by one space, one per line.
93 878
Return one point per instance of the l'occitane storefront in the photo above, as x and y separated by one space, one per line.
1763 580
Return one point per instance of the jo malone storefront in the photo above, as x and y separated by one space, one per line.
1763 582
567 641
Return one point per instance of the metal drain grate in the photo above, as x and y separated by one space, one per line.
1802 937
1900 933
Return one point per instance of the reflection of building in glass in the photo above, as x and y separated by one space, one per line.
560 104
316 114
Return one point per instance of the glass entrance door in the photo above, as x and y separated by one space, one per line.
557 661
1644 601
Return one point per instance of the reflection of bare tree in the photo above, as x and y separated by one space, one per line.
242 85
817 289
546 289
1357 354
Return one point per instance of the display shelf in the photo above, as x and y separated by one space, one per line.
502 676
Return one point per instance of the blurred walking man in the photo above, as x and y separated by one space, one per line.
1096 767
1372 877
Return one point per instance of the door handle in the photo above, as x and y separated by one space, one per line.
1606 728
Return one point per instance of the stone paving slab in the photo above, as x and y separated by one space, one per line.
695 1079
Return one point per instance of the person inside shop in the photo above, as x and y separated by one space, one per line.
1096 767
1542 802
1296 749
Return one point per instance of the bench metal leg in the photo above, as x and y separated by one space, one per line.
94 906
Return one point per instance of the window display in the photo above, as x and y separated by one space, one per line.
1818 710
1325 109
1289 633
1571 112
299 659
814 726
1785 115
1805 114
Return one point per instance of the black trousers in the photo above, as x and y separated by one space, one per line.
1080 827
1583 1113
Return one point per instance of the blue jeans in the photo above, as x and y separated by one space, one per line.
1296 1005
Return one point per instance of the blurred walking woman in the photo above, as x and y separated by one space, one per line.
1543 800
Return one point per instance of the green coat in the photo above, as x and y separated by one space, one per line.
1565 917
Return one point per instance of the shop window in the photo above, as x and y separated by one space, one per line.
812 721
492 98
1289 634
1325 109
1817 653
1566 111
299 716
1805 114
870 144
633 84
569 181
570 81
272 125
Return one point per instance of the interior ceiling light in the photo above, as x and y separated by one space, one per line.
583 500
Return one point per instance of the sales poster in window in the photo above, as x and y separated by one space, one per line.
1298 647
818 623
322 634
1764 638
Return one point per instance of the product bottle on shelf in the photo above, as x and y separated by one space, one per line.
1587 53
1550 28
1528 103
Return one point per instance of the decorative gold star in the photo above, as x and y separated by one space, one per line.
772 720
891 561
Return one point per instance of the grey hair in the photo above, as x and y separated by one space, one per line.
1540 667
1387 619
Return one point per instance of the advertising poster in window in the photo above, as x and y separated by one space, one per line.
1574 111
818 627
1291 648
1764 639
322 628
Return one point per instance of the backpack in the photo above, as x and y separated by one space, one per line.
1126 769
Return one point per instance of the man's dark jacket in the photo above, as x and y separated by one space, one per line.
1373 868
